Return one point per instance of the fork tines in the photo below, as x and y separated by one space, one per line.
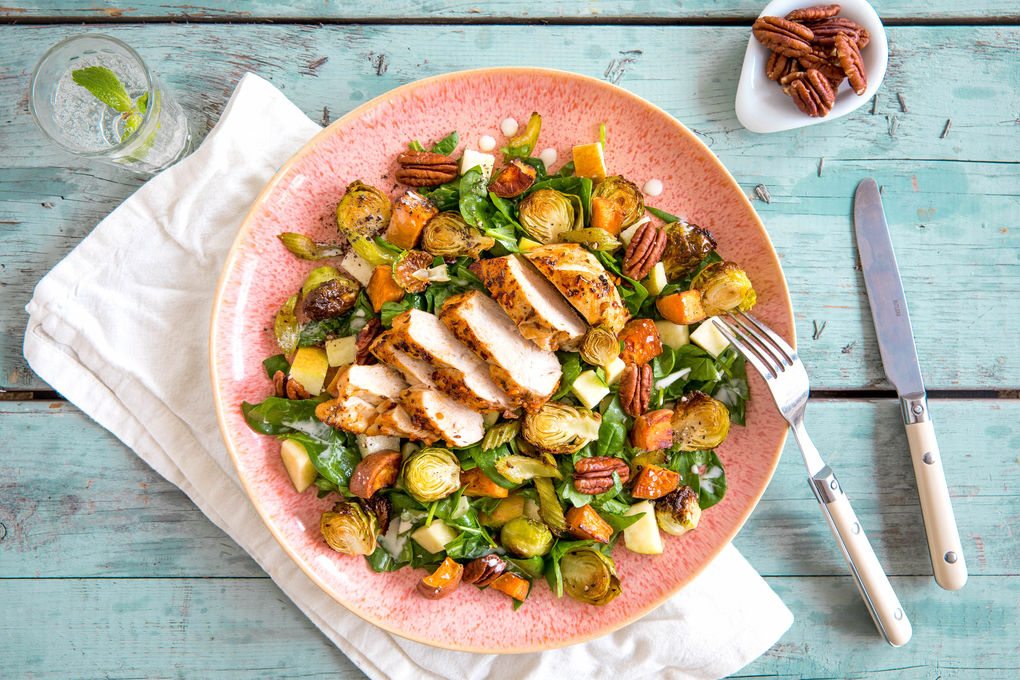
762 346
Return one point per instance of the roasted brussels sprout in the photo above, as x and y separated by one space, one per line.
448 235
700 422
285 326
724 287
678 511
523 144
519 469
350 529
625 194
547 213
362 213
599 346
430 474
561 428
526 538
317 277
405 266
593 239
686 246
331 298
589 576
307 249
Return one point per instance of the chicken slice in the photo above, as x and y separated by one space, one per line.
415 371
540 312
393 420
372 383
351 414
526 372
430 409
583 281
456 370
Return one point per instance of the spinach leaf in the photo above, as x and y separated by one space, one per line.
613 430
276 363
732 388
702 364
532 567
571 365
566 171
334 457
703 472
445 196
276 415
619 521
447 144
381 561
392 309
541 173
415 145
662 214
486 460
475 206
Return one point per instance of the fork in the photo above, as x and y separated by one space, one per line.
787 379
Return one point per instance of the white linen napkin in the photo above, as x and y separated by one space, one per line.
120 328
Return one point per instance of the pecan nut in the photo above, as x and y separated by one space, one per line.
848 52
644 251
816 13
825 32
785 37
483 570
288 388
636 389
425 169
820 59
594 475
812 93
363 343
778 66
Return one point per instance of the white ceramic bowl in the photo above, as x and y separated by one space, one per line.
761 104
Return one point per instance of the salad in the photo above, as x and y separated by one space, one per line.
497 375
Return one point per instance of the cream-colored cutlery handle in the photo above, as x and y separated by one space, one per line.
939 522
872 582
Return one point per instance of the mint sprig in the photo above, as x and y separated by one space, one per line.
107 88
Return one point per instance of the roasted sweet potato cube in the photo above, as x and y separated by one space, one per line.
382 288
410 213
477 484
653 430
682 308
654 482
513 585
442 582
606 214
641 342
586 524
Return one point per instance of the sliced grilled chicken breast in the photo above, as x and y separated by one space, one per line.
430 409
415 371
526 372
393 419
457 371
371 383
540 312
583 281
352 414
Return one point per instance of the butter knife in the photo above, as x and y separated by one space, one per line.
899 358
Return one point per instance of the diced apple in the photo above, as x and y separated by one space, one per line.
707 337
589 389
656 280
526 244
309 368
643 535
614 370
341 351
369 445
358 267
589 161
673 334
435 536
299 466
471 158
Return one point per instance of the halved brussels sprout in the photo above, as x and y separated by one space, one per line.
686 246
678 511
561 428
547 213
285 326
518 469
526 538
317 277
724 287
404 267
599 346
331 298
350 529
625 194
430 474
592 238
307 249
700 422
363 212
589 576
449 235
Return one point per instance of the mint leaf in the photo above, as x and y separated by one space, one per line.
104 85
130 125
143 103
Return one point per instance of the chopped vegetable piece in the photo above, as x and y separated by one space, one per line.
686 246
607 215
549 508
525 537
589 576
383 288
589 161
586 524
560 428
653 430
724 287
435 536
362 213
682 308
350 529
442 582
431 474
477 484
410 214
513 585
523 144
643 535
519 469
641 342
654 482
513 180
508 508
623 194
709 338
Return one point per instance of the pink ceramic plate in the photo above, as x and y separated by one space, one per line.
644 142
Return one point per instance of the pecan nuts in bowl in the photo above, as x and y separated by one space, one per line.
779 48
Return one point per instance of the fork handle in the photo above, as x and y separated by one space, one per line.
882 603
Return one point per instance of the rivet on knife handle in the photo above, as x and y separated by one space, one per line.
944 544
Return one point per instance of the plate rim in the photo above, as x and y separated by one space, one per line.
231 258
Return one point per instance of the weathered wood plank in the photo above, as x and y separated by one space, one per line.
485 10
966 185
245 628
67 487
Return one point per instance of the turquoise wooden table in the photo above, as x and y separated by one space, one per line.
109 571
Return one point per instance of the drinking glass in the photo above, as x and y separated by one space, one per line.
147 137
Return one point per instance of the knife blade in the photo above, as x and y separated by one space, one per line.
899 359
